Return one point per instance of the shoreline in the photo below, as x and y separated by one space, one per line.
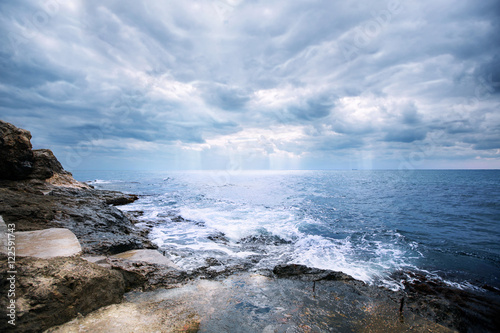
115 269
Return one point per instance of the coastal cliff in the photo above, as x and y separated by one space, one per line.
37 194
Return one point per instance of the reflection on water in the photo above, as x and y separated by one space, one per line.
255 303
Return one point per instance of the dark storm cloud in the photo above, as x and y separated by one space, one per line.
306 78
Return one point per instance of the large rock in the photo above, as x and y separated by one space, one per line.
45 165
47 243
52 291
100 227
16 156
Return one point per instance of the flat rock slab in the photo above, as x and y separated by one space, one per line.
47 243
148 256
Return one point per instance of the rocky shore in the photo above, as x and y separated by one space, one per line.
81 263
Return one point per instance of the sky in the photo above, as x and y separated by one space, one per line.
250 84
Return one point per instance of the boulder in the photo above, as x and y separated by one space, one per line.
53 291
16 156
45 165
47 243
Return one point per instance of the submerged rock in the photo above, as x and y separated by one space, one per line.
53 291
254 303
461 309
309 274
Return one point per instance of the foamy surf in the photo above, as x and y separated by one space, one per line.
328 220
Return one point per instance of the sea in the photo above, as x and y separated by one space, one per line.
370 224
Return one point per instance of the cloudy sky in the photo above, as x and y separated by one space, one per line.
229 84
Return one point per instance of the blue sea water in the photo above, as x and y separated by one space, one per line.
369 224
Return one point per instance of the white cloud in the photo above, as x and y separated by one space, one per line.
267 78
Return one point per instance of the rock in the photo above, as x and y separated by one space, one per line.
147 256
52 291
309 274
116 198
142 275
100 228
4 240
48 243
132 317
45 165
16 156
462 309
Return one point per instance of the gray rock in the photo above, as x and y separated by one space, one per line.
100 228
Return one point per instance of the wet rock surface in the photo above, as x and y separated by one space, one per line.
100 227
254 303
463 310
52 291
309 274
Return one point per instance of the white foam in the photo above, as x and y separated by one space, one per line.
369 262
245 221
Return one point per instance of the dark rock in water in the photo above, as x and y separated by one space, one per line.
219 238
309 274
116 198
52 291
464 310
264 240
45 165
213 262
16 156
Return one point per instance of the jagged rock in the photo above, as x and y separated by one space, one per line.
16 156
465 310
309 274
45 165
143 275
52 291
116 198
100 228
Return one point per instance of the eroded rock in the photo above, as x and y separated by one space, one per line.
16 156
53 291
46 165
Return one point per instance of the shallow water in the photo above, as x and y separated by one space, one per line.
368 224
254 303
